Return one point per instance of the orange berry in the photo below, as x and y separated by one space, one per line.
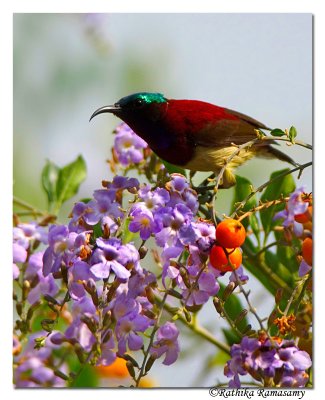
116 370
307 250
230 233
306 216
221 258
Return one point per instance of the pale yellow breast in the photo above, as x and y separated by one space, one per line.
209 159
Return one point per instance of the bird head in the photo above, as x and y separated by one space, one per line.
137 107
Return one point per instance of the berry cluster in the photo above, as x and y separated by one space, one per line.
226 254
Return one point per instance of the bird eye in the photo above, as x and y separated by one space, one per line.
138 103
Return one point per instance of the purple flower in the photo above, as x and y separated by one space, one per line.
167 343
103 205
205 287
154 199
281 360
178 183
23 234
35 368
78 330
142 221
60 250
108 356
19 254
77 222
139 281
304 268
79 272
126 331
205 235
128 146
124 305
180 192
40 285
175 222
105 259
240 274
170 270
123 182
294 206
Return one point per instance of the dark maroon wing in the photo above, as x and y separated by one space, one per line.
238 129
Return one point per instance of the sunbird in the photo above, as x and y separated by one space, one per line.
193 134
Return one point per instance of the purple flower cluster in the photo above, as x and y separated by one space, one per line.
268 359
168 214
112 305
24 235
294 206
128 146
166 343
35 368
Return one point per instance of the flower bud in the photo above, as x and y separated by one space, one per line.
228 290
218 305
240 316
184 276
143 252
278 295
149 364
130 368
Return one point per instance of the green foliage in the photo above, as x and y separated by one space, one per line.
281 185
233 308
277 132
60 184
242 190
292 133
172 169
86 378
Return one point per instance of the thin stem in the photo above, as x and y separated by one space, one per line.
199 330
147 352
193 286
83 364
250 307
262 206
301 294
260 188
229 159
23 204
274 278
285 139
231 322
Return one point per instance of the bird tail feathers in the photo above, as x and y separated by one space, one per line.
271 152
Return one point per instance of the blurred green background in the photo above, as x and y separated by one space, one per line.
68 65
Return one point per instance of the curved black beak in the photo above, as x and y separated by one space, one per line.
106 109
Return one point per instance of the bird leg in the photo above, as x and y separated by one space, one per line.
227 180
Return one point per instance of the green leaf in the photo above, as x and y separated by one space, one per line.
254 223
283 186
230 336
50 174
242 190
292 134
233 308
286 253
172 169
252 265
69 180
220 358
87 378
128 236
277 132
